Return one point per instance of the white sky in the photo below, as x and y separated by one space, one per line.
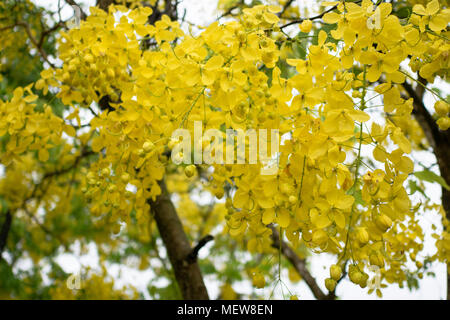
203 12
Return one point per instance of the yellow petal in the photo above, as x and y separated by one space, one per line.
419 9
268 216
274 9
319 218
214 63
331 17
270 18
283 218
437 23
43 155
432 7
339 218
358 115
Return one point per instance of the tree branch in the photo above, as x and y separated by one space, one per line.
187 272
423 117
299 265
285 8
192 256
439 141
319 16
73 3
4 232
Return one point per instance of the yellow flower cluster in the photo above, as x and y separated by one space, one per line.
324 196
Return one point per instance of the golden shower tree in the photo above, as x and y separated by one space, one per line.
88 111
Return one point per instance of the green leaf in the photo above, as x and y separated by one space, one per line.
413 187
404 12
429 176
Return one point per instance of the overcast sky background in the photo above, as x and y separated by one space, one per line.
203 12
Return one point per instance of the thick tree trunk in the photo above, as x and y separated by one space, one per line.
186 269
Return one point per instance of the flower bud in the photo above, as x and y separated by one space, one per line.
364 279
319 237
125 177
89 58
443 123
189 170
355 276
292 199
441 108
335 272
148 146
330 284
383 222
362 236
219 193
106 172
306 26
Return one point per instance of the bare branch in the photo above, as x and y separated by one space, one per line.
34 41
192 256
285 8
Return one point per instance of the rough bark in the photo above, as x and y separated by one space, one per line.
186 269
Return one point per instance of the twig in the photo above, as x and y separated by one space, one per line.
192 256
319 16
285 7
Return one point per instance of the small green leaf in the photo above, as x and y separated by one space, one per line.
429 176
413 187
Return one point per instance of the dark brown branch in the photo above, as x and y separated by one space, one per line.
319 16
230 9
422 116
299 265
49 31
4 232
312 18
82 155
192 256
187 273
34 41
285 8
438 140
